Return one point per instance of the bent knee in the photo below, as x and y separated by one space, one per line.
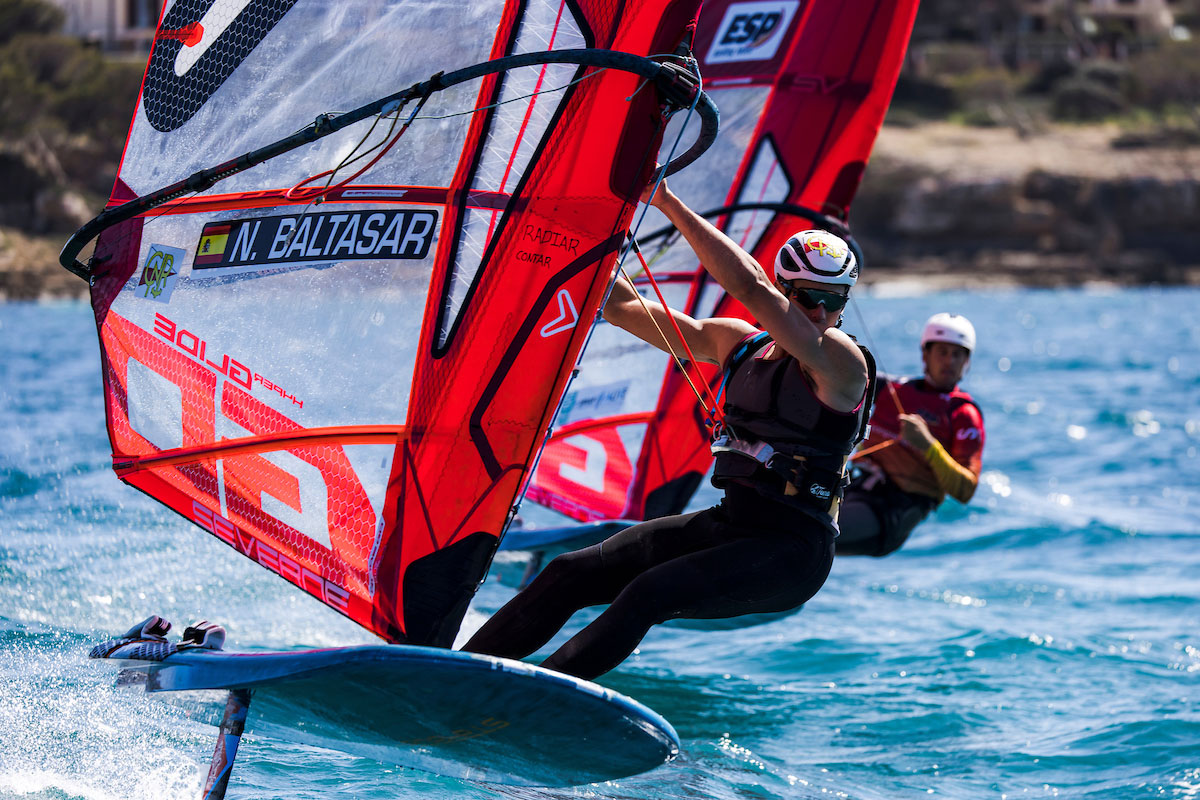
897 534
569 566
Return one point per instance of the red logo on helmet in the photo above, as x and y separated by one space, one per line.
824 247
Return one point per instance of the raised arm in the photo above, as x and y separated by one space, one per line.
830 357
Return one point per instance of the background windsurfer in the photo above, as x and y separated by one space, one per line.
926 442
768 545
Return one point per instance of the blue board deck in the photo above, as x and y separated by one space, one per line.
447 712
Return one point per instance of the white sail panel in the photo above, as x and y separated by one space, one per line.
268 326
318 58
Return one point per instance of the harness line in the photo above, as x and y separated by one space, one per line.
873 448
711 403
891 389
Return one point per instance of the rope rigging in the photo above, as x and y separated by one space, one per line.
678 86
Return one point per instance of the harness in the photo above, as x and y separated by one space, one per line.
958 398
749 345
807 469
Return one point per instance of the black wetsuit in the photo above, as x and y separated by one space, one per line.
755 552
746 555
877 516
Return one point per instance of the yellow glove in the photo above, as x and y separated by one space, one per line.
955 479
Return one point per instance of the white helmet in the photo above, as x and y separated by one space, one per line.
817 256
951 328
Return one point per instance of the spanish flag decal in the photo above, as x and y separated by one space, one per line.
213 240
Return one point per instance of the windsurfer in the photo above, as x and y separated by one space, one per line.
796 400
926 442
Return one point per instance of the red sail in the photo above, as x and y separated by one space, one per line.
803 89
341 362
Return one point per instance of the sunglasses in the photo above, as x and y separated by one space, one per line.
811 298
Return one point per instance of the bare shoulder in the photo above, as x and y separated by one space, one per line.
843 347
843 376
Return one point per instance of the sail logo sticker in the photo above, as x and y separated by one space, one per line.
751 31
199 46
593 402
591 475
566 319
160 272
247 544
585 476
231 368
202 34
334 236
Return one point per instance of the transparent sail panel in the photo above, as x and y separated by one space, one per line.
525 109
327 340
766 182
705 185
586 471
275 83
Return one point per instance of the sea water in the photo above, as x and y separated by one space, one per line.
1042 641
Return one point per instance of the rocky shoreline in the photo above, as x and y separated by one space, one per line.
29 268
947 205
941 206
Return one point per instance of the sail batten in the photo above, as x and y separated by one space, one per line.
363 434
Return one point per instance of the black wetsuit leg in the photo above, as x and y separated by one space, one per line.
879 520
698 565
860 526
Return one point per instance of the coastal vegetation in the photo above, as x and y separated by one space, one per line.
1155 91
64 110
